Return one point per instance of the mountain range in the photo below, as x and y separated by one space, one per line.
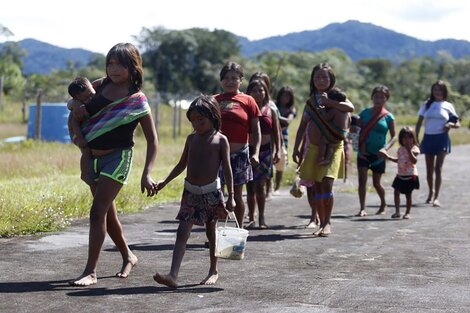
359 40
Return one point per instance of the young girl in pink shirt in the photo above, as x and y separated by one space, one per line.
407 176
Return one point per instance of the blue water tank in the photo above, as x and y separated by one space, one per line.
54 118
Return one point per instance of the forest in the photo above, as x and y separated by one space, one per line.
183 64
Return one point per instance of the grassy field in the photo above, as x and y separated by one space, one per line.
41 190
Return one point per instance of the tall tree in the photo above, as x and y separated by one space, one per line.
187 61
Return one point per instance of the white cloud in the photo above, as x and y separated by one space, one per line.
98 25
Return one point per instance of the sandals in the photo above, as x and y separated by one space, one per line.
406 216
397 215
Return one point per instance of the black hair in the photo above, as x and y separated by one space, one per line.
336 94
407 132
322 66
285 90
445 92
231 66
262 83
78 85
206 106
382 89
129 57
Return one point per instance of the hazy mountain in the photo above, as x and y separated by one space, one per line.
42 57
359 40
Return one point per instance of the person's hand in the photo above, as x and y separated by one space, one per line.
296 156
160 185
447 127
79 111
383 153
230 204
276 158
254 160
81 142
362 155
149 185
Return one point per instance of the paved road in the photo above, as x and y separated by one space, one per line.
370 264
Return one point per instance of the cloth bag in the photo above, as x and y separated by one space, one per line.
230 242
297 190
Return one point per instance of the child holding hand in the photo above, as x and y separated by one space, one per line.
407 176
202 202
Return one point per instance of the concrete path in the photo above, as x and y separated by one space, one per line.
370 264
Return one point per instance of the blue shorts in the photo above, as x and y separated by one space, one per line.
435 144
115 165
241 167
373 162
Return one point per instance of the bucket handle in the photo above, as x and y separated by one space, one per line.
231 215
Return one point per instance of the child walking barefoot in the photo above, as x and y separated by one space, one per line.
407 177
202 201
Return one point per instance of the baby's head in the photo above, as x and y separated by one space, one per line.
81 89
336 94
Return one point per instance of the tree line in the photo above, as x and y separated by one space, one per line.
182 64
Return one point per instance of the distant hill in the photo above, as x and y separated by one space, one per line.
359 40
42 57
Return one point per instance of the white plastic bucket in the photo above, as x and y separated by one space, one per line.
230 242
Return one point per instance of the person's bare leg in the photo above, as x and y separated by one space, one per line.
268 184
430 176
319 204
251 202
278 179
314 219
239 204
328 203
396 197
438 170
362 182
213 275
408 205
376 178
105 193
182 236
115 231
261 201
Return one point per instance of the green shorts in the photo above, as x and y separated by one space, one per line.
115 165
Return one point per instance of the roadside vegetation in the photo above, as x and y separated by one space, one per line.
40 189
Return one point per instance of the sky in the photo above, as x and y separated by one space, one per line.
97 25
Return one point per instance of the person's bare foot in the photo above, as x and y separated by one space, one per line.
381 210
127 266
166 280
263 226
326 231
311 224
362 213
211 279
317 232
84 280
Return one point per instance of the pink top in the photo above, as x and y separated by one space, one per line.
404 164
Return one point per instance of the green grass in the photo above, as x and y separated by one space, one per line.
41 190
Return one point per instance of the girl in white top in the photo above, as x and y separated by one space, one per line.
407 176
439 117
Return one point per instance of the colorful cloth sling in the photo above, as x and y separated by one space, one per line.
332 133
370 124
120 112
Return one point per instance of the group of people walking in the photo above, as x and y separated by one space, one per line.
238 138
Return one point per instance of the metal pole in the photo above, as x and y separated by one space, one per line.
37 132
